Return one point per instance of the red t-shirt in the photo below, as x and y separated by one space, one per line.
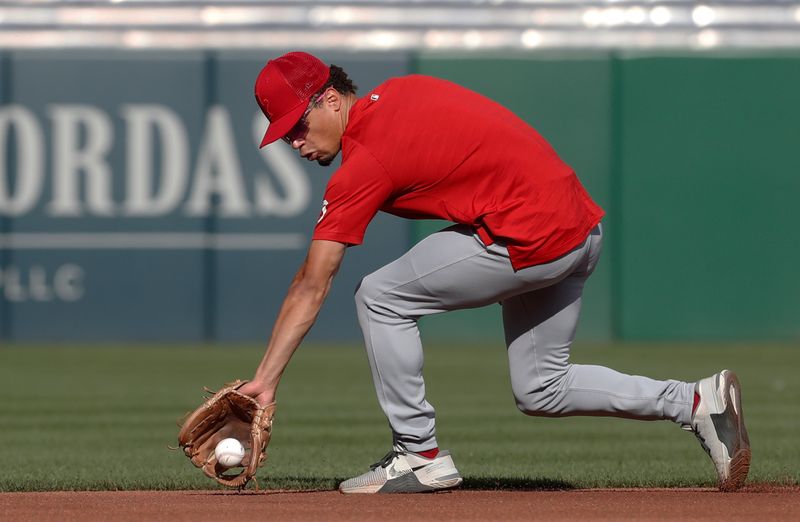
420 147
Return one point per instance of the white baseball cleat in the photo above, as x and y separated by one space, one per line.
405 472
719 425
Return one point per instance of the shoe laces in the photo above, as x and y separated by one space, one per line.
702 442
693 429
387 459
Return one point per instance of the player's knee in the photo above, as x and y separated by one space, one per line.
533 403
373 299
367 292
541 396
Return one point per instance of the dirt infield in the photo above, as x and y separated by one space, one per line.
764 503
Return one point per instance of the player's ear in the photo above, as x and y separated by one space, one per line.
333 99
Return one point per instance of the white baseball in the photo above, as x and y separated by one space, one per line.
229 452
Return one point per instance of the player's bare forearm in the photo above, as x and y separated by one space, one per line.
300 308
298 313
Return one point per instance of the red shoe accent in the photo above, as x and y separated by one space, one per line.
696 402
429 454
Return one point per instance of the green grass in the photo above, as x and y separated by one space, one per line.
102 417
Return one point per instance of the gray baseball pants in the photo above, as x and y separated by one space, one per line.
453 269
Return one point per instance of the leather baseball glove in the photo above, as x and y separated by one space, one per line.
228 413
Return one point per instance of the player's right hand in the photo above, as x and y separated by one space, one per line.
258 391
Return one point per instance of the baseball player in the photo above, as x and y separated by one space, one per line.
527 236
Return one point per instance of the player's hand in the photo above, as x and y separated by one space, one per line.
228 413
259 392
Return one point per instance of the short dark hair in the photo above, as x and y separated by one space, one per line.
339 80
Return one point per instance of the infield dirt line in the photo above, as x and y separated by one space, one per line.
758 502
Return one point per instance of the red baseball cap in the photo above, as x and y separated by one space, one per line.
284 88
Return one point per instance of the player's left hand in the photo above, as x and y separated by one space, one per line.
228 413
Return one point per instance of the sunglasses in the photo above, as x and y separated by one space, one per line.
300 129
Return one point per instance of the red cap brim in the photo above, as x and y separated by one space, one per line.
277 129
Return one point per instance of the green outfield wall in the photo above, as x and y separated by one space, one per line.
135 205
707 185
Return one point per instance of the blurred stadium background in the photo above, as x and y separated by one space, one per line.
135 205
